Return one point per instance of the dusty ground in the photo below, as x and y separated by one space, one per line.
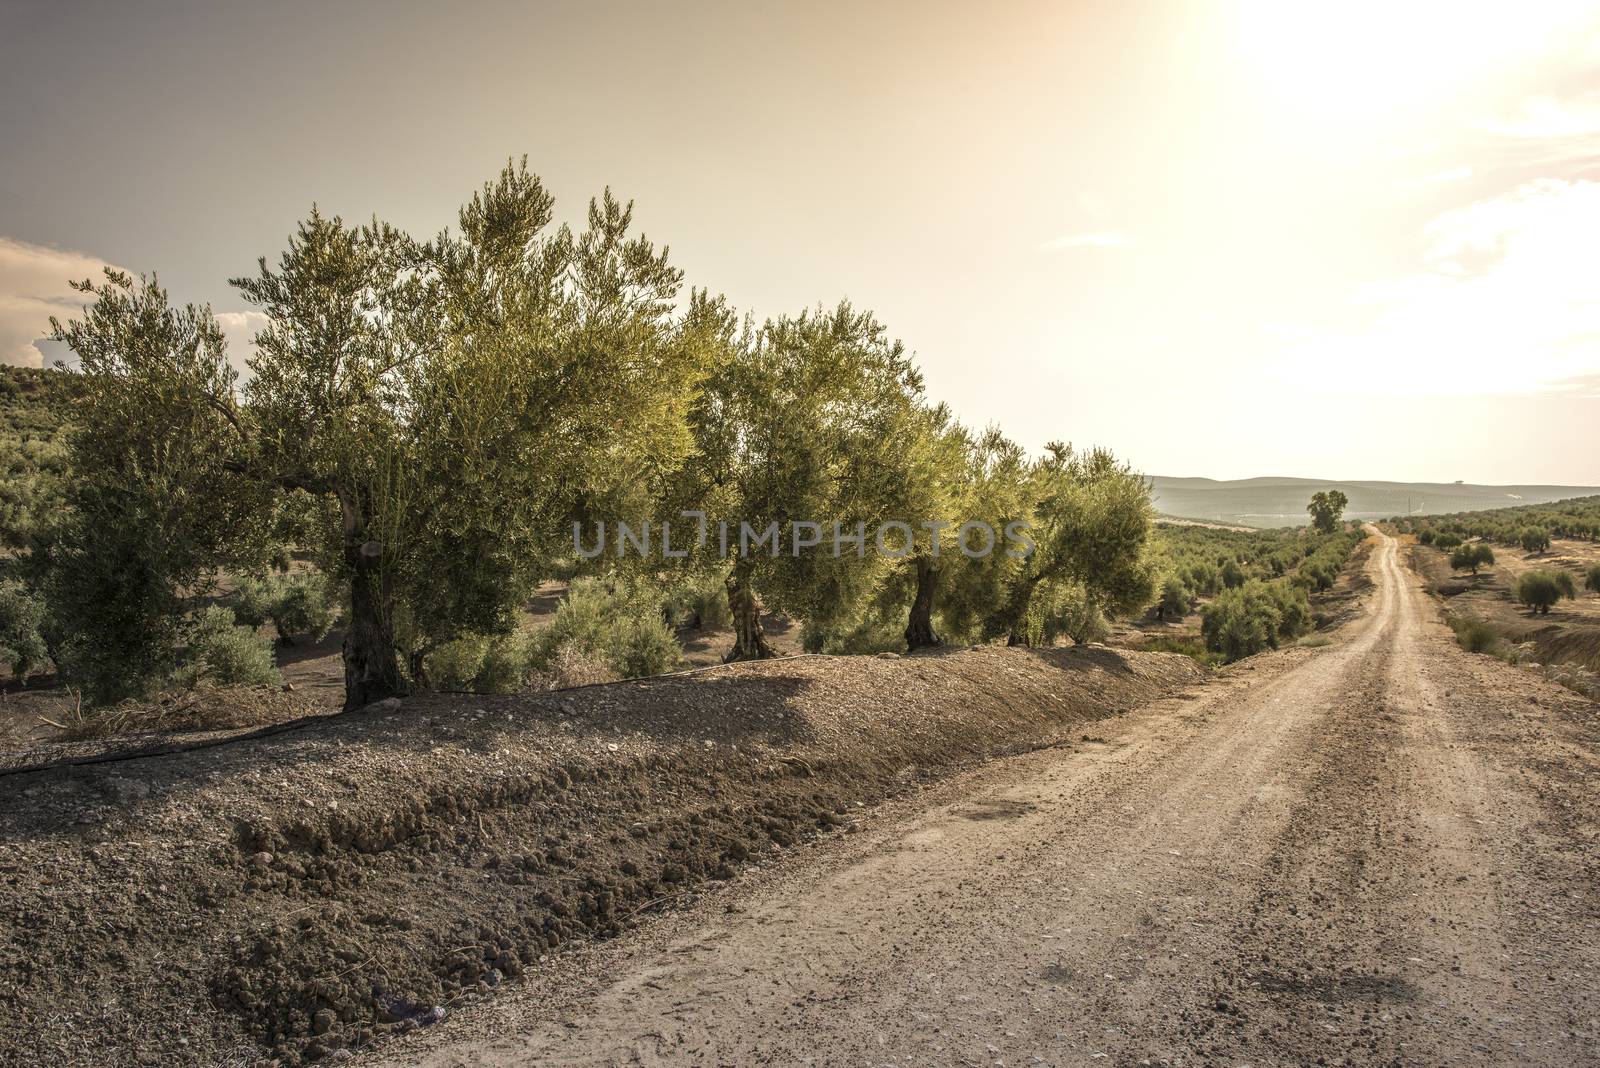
31 711
1565 642
304 893
1378 852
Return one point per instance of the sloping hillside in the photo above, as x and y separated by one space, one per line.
1280 502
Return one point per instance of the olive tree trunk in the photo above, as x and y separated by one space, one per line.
919 628
371 663
749 641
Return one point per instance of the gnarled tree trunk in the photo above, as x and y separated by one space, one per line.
749 641
1018 600
371 664
919 628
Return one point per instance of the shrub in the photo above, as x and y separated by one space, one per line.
1534 539
642 646
22 646
221 653
596 619
1185 647
1592 579
455 664
504 665
1426 537
571 666
1242 622
305 607
478 664
1472 556
1176 597
699 603
1540 590
298 606
1446 540
1474 635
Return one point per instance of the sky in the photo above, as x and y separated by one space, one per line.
1354 241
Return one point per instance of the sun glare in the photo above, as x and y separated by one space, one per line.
1376 62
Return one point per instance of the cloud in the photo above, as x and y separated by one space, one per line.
1547 134
1098 239
241 328
1504 301
1455 174
33 287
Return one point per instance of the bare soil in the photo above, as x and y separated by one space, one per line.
1567 636
308 890
1381 851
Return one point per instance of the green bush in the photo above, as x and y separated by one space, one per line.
1534 539
1176 598
1446 540
1540 590
626 628
298 606
1474 635
1255 617
22 646
699 603
1242 621
455 664
222 653
1592 579
504 667
1193 649
642 646
1472 556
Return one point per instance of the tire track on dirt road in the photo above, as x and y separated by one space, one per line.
1376 852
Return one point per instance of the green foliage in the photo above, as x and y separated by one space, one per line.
1325 509
1592 578
298 606
221 653
22 645
642 645
36 412
698 601
1540 590
1190 648
1475 635
1534 539
153 506
1176 598
1577 518
1092 523
1254 617
1472 556
1446 540
622 626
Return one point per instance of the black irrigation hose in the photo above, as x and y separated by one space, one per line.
307 721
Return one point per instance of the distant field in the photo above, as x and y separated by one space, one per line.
1281 502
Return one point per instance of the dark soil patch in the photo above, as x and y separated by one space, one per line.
289 896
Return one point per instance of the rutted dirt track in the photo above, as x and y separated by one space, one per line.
1381 851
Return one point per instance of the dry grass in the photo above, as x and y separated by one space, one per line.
206 709
573 667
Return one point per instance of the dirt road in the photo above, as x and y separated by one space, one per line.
1380 851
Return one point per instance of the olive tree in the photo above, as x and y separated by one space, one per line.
1326 509
1091 526
440 409
797 435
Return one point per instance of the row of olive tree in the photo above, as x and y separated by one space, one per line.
431 418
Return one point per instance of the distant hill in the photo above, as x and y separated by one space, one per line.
1281 502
